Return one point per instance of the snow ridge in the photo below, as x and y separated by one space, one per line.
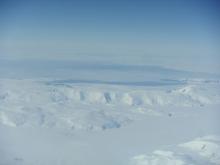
93 107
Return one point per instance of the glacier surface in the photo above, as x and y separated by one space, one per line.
137 119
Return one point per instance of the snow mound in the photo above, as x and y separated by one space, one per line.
201 151
207 147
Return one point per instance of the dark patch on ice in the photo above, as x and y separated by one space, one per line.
82 96
111 124
18 160
107 97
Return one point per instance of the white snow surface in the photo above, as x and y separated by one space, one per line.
201 151
63 122
29 103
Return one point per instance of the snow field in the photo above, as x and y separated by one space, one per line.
93 107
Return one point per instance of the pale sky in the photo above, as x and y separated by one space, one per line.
173 33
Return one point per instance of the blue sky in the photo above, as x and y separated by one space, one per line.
171 33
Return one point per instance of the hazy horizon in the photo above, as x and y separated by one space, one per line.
176 34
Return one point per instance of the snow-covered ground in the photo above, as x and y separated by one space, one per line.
64 104
202 151
47 121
